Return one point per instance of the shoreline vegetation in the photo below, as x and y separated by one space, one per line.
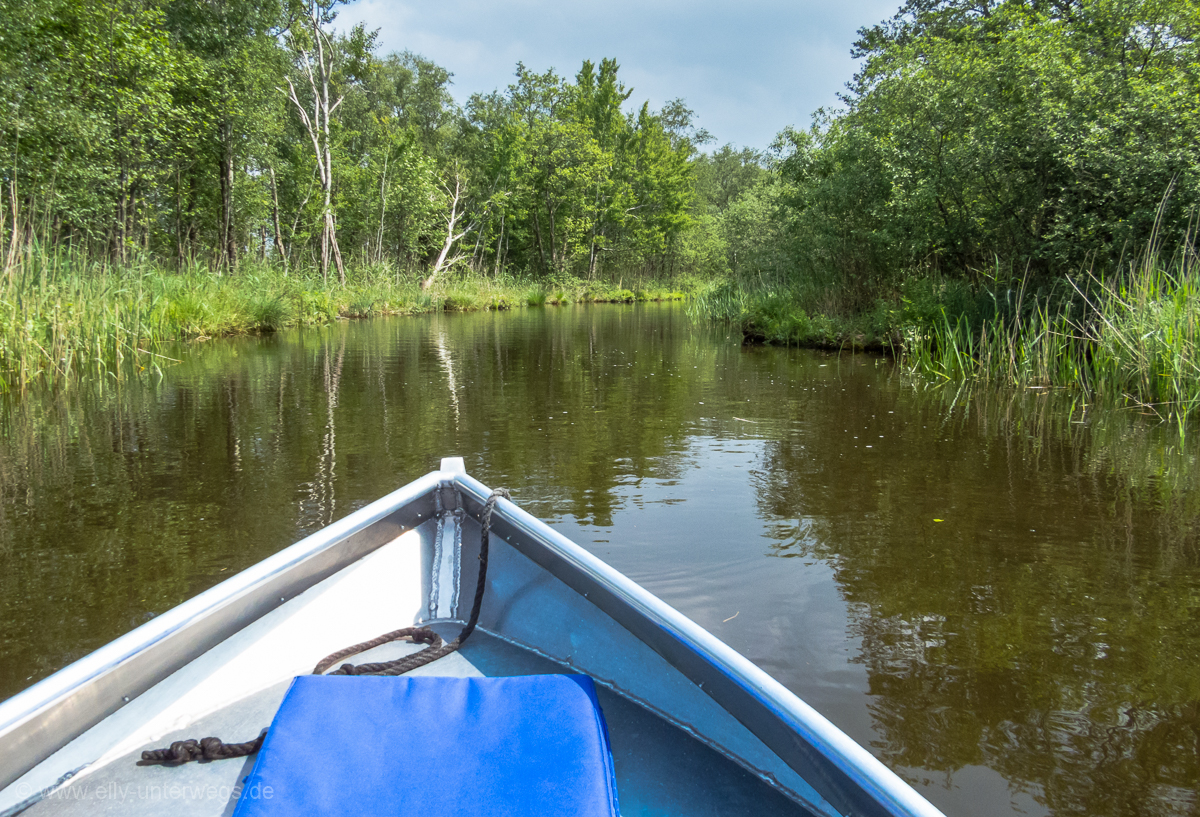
61 317
1008 193
1130 339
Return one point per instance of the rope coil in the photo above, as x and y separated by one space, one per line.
185 751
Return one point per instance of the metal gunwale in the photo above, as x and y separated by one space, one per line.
36 722
851 779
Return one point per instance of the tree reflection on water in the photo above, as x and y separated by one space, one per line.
1046 625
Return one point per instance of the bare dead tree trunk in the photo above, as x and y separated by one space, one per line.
318 66
452 220
486 219
382 209
223 237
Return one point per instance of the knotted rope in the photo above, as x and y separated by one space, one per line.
184 751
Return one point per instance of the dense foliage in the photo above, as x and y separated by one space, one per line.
212 132
1048 135
1034 135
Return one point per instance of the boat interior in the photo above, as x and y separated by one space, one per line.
675 750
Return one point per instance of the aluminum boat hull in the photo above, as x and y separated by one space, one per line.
693 722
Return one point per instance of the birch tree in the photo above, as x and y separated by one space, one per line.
316 56
454 200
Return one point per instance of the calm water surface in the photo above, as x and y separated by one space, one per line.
999 595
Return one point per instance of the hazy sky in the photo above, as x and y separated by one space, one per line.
747 69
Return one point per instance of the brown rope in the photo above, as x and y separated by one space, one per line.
417 635
436 649
183 751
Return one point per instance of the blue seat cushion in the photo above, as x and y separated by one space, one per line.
435 747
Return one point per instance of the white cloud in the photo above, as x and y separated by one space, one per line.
748 69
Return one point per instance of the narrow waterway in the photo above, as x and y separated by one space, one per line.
997 594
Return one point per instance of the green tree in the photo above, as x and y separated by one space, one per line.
237 44
597 106
90 113
727 173
662 184
1042 134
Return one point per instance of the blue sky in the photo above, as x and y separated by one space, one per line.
747 69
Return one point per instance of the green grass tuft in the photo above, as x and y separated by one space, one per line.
269 312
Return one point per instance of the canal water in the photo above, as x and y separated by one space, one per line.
997 593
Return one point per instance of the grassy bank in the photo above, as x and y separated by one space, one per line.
1132 337
806 314
63 316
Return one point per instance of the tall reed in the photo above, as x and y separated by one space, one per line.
1128 337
